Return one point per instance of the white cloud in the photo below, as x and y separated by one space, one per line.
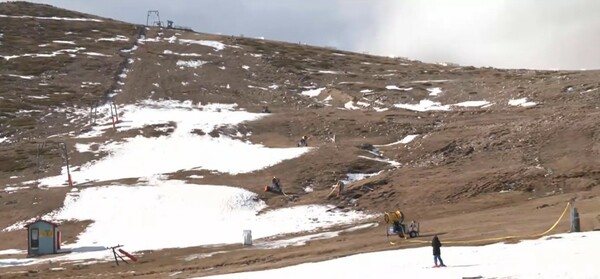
519 34
501 33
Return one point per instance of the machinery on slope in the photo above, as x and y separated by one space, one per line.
396 226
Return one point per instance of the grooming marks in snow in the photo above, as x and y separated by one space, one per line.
405 140
214 44
521 102
424 105
180 150
526 259
190 63
435 91
313 92
394 87
473 104
52 18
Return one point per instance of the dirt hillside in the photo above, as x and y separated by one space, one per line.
474 170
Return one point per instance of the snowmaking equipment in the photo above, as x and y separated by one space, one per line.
396 226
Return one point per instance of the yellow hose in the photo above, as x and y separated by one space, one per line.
498 238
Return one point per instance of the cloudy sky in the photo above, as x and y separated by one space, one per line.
546 34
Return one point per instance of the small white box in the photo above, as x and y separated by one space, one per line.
247 238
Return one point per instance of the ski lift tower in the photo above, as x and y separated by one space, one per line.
153 14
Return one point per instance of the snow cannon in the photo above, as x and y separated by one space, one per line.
392 217
395 226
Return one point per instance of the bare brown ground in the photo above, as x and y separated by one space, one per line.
472 173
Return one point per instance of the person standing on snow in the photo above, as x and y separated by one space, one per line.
436 244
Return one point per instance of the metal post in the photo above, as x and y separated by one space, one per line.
67 162
115 255
116 113
155 12
38 170
93 113
112 116
575 226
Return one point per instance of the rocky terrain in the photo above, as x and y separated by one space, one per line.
493 151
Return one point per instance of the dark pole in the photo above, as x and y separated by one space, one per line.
116 113
38 170
67 161
112 116
115 255
575 226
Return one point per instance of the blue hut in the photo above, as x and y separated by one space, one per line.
43 238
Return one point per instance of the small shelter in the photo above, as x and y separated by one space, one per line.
43 238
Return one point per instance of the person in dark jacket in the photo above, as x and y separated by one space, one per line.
436 244
275 186
340 188
303 141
